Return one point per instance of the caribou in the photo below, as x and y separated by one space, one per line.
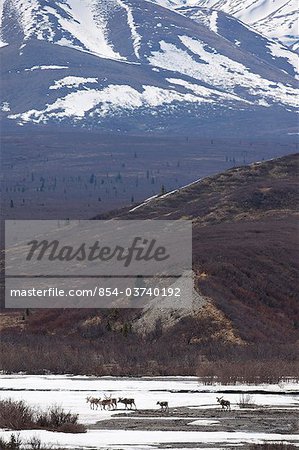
110 402
94 402
225 404
163 405
126 402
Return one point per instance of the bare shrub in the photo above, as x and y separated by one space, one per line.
272 446
119 355
15 443
246 400
16 415
57 419
35 443
246 370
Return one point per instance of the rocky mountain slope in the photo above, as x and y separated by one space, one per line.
134 66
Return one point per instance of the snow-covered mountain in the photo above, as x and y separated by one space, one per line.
295 46
131 65
276 19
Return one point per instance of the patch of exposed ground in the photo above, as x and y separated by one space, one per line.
255 419
12 320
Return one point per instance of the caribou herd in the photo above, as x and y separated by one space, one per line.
111 403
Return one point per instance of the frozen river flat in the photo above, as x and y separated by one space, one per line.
194 419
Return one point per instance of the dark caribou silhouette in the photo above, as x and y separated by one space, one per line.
163 405
127 401
225 404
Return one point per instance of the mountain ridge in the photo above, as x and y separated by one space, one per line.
276 19
161 70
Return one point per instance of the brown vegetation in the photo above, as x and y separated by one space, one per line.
245 244
16 443
272 446
156 354
17 415
245 262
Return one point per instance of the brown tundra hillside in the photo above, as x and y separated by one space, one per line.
245 254
245 243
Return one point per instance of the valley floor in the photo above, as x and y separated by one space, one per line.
79 175
193 421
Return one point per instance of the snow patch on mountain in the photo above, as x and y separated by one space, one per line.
218 70
5 107
295 47
213 21
2 43
83 25
45 68
246 38
135 36
207 17
280 51
72 82
32 19
112 99
277 19
205 92
151 63
70 23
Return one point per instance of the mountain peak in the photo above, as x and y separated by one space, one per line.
142 65
276 19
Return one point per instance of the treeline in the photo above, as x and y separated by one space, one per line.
272 446
126 354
